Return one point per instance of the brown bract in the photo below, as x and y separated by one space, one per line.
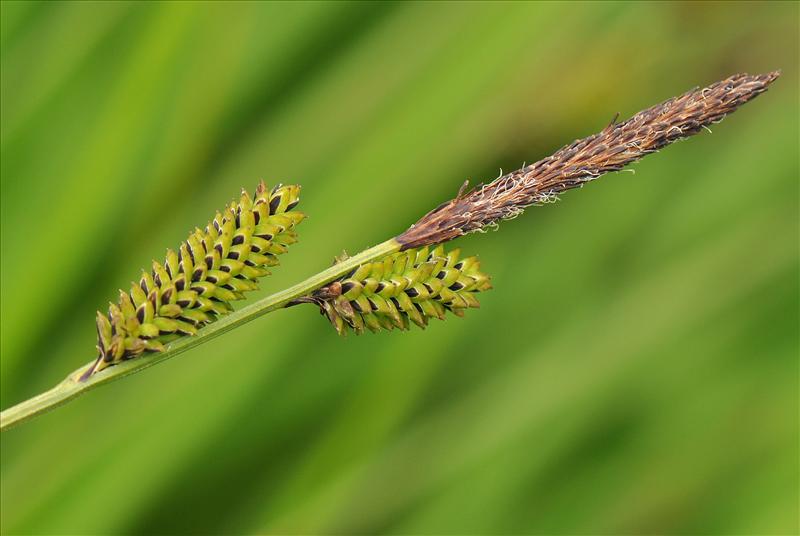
616 146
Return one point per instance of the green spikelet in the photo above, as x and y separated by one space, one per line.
194 285
411 286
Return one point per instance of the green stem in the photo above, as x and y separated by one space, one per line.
72 386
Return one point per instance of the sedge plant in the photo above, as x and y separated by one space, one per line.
188 298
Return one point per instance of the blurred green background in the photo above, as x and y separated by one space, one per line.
634 371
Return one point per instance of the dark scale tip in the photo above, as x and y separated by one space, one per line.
225 268
180 283
238 239
233 255
209 262
356 306
218 247
459 265
456 286
291 205
273 204
140 314
441 275
411 292
380 287
189 320
372 304
197 274
347 286
166 295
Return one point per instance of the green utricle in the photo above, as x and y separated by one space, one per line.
411 286
212 268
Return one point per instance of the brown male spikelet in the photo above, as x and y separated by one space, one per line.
618 145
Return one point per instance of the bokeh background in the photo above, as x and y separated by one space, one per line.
635 370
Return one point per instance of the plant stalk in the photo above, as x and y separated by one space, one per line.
73 386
